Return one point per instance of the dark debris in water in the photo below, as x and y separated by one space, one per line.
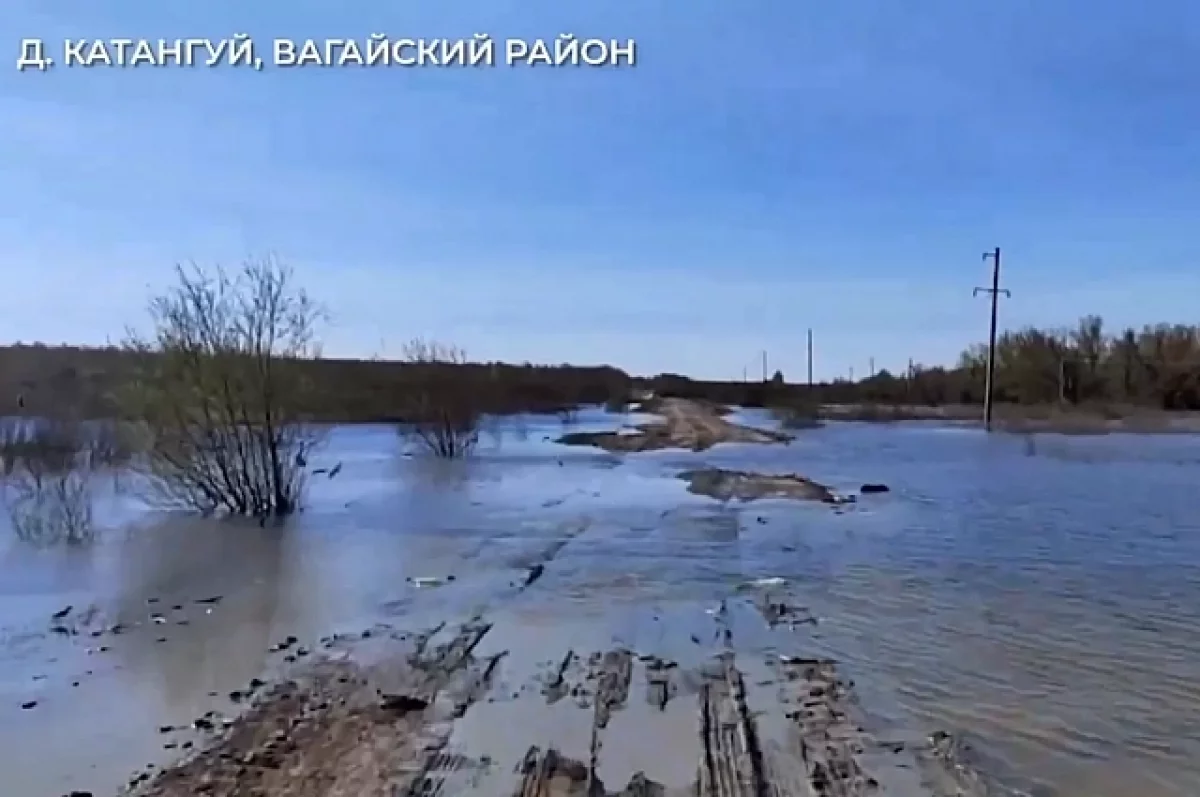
534 574
402 704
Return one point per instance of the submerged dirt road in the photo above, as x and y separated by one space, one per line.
514 708
567 699
698 426
685 424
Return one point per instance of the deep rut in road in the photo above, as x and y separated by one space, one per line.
758 725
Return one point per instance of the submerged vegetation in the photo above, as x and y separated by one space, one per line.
48 470
218 388
440 417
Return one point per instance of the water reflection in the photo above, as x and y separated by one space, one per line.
181 646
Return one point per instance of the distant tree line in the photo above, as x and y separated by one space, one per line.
36 378
1157 366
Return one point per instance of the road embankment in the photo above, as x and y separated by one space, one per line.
685 424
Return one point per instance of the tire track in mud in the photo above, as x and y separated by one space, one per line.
346 729
354 730
732 763
441 768
452 668
731 760
804 740
828 743
605 687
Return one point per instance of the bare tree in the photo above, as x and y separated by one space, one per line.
222 389
441 413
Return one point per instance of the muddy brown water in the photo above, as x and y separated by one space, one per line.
1044 601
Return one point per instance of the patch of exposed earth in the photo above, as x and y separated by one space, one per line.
743 486
685 424
493 708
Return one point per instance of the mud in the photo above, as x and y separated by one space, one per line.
726 485
342 727
685 424
382 715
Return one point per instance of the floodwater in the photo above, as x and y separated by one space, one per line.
1039 594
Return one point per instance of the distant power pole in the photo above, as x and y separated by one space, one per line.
871 366
994 292
810 361
764 365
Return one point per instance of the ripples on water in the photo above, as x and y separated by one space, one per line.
1044 598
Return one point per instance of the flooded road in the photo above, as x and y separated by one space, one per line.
1043 599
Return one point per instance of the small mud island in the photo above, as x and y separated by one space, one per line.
685 424
725 485
697 426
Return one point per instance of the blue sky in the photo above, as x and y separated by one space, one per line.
765 168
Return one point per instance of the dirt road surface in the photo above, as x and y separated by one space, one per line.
685 424
716 702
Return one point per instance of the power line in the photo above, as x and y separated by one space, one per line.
994 292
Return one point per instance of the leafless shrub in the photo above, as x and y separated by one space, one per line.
110 444
442 415
221 392
50 508
47 485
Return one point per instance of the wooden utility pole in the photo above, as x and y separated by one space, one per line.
764 365
810 361
994 292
